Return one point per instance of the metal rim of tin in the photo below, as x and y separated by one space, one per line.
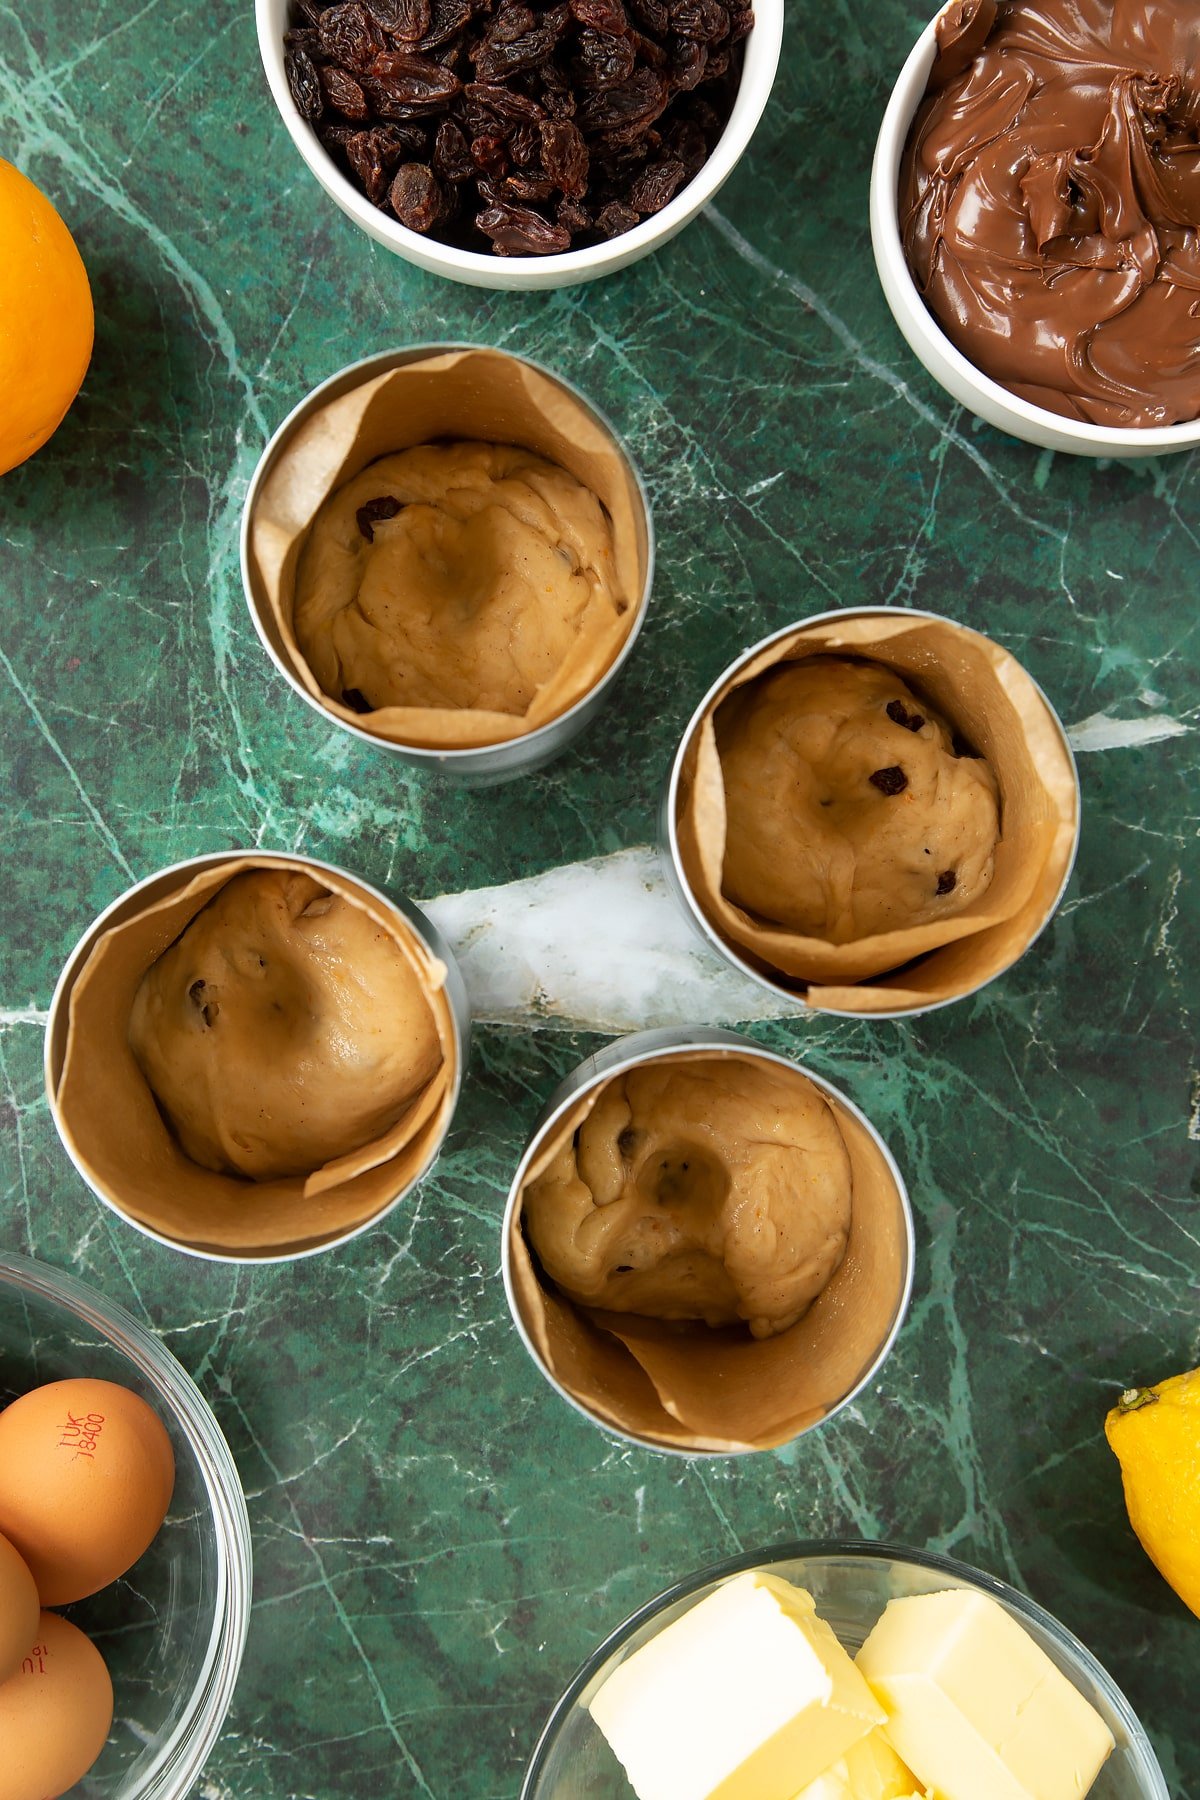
515 755
808 1550
672 862
414 918
647 1046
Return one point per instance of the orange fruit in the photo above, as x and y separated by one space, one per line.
46 319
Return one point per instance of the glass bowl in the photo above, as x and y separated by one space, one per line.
851 1584
172 1630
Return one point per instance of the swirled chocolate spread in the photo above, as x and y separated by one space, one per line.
1050 201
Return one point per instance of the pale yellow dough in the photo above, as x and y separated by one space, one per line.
711 1189
811 842
283 1029
470 597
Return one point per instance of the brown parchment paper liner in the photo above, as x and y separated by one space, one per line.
111 1124
690 1387
462 394
981 689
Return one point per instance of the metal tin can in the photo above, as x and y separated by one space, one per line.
484 765
157 887
675 875
642 1047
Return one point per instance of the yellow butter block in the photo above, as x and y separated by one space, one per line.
870 1770
747 1696
975 1708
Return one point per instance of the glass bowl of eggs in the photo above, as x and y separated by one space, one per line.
172 1628
732 1670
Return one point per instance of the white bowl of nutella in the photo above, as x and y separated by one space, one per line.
479 268
254 1056
1064 302
961 1668
475 618
632 1247
873 812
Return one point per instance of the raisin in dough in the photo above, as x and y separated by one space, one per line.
713 1189
469 595
283 1029
848 812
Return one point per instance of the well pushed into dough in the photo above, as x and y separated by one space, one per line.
452 576
712 1189
852 809
284 1028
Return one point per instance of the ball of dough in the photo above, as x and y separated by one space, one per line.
282 1029
849 812
712 1189
451 575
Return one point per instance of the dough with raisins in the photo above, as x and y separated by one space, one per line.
850 807
714 1189
283 1028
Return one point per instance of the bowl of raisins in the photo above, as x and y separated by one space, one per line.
516 144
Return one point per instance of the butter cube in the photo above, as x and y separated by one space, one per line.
975 1707
747 1696
870 1770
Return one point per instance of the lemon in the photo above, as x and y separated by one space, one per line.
1155 1435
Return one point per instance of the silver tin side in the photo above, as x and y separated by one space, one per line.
165 881
490 764
615 1059
671 862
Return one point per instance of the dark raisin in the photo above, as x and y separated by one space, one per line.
740 25
524 146
303 84
489 105
651 15
892 780
565 157
501 56
404 86
528 187
449 18
303 37
356 700
601 15
344 94
689 66
704 20
621 114
415 196
490 153
656 185
519 231
573 217
602 61
947 881
899 714
385 507
451 153
350 36
615 218
405 20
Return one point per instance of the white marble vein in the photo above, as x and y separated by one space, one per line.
598 945
1099 732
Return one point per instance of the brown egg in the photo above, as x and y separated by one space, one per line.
54 1713
86 1475
19 1609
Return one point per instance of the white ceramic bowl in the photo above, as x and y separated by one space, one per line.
947 364
479 268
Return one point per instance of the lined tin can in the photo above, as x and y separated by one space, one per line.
158 888
485 765
877 1271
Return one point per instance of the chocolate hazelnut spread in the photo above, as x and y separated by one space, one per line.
1050 201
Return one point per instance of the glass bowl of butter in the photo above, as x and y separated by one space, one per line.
842 1671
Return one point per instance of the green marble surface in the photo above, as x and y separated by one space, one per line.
439 1541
